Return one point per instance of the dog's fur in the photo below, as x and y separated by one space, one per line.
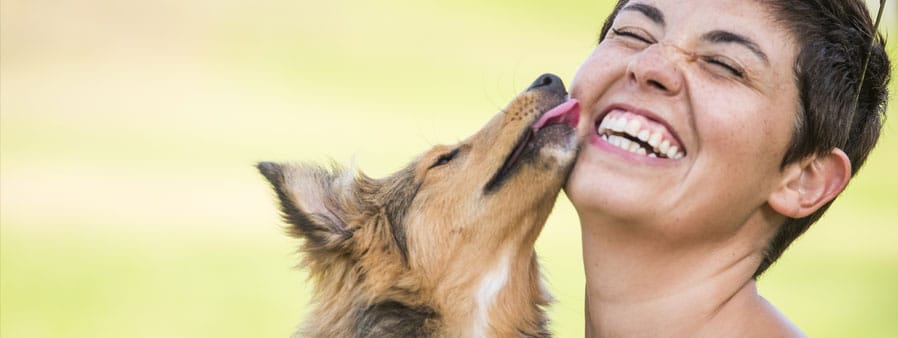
444 247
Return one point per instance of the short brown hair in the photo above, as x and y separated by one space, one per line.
835 38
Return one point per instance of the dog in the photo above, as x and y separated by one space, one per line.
445 246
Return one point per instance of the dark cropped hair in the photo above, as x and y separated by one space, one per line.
834 37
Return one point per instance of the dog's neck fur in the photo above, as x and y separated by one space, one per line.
490 285
505 296
498 303
500 297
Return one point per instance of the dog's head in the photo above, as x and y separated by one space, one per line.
495 188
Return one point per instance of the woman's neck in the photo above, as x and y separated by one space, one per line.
642 284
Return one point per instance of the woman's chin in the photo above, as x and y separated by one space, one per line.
599 195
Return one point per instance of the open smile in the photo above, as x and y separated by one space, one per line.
639 134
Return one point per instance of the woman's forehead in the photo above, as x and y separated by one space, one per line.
702 11
698 18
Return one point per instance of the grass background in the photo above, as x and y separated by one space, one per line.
129 206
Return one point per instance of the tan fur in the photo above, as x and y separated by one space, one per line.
455 233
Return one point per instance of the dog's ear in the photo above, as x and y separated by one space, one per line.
313 202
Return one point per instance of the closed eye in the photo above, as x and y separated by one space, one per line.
444 159
631 35
734 70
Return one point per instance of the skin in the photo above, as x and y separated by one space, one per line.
670 246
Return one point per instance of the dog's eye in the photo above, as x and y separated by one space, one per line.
445 158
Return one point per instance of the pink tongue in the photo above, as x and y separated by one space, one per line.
568 107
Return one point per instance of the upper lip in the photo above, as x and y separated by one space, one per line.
644 112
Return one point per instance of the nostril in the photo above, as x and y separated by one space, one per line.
657 84
550 82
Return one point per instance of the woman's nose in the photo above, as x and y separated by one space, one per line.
656 69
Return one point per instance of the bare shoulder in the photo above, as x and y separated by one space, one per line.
767 321
749 315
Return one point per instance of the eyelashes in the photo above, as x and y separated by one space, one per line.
717 62
445 158
631 35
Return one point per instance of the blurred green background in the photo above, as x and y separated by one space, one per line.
129 205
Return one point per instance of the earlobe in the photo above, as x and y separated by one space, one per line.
811 183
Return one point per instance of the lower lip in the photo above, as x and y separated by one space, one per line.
600 143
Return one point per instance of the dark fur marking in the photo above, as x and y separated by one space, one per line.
528 153
508 167
542 325
394 319
401 189
541 334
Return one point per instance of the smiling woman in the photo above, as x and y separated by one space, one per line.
128 130
697 169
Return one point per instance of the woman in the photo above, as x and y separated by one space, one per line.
715 132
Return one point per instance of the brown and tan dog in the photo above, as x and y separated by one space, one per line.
444 247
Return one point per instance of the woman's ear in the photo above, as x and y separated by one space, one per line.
809 184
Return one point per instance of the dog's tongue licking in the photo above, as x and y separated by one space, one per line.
567 112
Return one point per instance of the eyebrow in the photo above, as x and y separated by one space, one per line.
652 12
716 36
719 36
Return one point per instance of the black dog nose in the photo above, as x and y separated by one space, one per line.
550 82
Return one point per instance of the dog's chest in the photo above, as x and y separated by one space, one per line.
492 283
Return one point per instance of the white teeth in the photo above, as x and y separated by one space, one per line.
633 127
625 143
615 140
643 135
672 151
619 125
607 124
664 147
655 140
603 126
660 146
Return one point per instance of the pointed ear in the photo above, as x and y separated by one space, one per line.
313 202
811 183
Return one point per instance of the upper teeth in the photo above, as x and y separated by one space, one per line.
662 147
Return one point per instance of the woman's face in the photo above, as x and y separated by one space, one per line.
702 95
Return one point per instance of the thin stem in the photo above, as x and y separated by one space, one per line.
857 97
